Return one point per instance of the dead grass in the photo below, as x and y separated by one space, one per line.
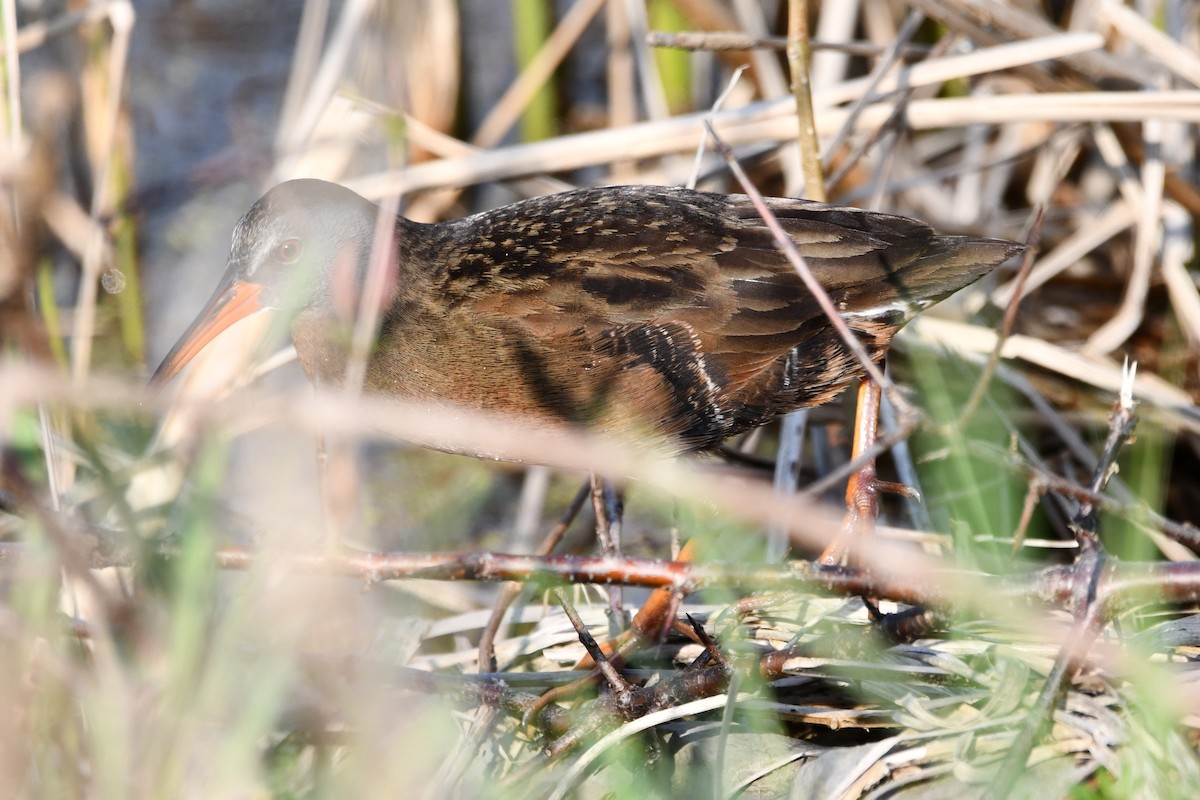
135 660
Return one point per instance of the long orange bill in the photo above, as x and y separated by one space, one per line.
233 300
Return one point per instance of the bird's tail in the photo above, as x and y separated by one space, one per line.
949 264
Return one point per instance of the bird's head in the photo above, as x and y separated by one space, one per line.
303 247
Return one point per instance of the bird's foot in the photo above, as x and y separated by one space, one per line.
862 508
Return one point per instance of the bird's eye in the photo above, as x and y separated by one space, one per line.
289 251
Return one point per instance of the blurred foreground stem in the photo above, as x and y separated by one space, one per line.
799 54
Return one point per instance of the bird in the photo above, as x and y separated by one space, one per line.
660 314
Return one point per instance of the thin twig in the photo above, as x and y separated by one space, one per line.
1092 608
1010 318
792 253
607 505
723 41
621 688
511 590
907 30
1121 423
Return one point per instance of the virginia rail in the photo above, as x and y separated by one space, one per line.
662 313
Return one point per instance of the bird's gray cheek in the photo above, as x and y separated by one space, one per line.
345 283
350 277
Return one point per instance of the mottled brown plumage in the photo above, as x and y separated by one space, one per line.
635 310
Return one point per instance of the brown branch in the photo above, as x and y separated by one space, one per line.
962 590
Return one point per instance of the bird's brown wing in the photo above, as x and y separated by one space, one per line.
686 290
615 256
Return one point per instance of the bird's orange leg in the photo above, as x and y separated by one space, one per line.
862 490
